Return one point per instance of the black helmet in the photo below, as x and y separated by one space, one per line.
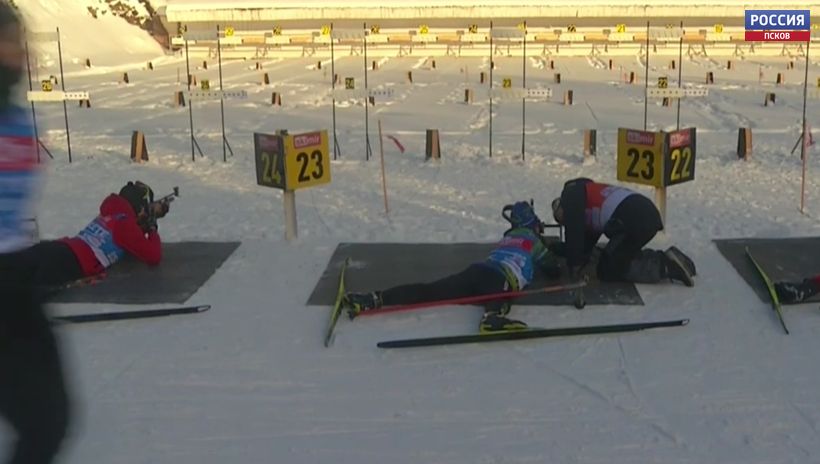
138 194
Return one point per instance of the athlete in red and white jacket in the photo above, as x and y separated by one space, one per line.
126 225
589 209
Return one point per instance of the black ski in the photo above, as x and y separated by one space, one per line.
137 314
529 333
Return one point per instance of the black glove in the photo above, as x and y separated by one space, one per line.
796 292
159 209
148 224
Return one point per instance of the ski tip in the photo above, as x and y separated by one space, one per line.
202 308
684 322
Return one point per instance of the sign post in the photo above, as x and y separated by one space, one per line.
659 159
290 162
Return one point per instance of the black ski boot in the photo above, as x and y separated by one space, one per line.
494 322
358 302
677 270
685 260
795 292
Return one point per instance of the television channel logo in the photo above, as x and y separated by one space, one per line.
778 25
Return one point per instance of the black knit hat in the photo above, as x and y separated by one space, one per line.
138 195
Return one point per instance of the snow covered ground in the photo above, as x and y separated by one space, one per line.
250 381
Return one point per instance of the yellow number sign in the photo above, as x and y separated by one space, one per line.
375 29
229 31
620 28
640 157
506 83
818 82
205 84
680 157
269 157
325 30
350 83
277 30
307 161
423 29
47 86
571 28
473 29
522 27
719 28
663 82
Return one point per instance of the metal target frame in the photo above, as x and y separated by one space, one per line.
220 94
43 95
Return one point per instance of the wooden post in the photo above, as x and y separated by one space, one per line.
557 78
265 79
610 63
666 101
384 176
151 66
672 64
289 198
375 65
276 99
710 77
590 143
258 65
125 78
204 65
729 64
319 64
468 96
88 62
770 97
410 76
432 147
482 77
660 202
552 64
179 99
289 202
631 77
85 103
780 79
433 64
744 143
568 97
139 151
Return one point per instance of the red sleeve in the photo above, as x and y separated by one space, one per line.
146 247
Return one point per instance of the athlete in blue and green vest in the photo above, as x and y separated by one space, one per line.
510 266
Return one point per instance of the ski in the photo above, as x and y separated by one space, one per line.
470 299
770 288
528 334
136 314
337 305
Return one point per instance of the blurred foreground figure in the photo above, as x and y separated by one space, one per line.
33 399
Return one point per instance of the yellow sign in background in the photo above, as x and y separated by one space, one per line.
307 160
640 157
